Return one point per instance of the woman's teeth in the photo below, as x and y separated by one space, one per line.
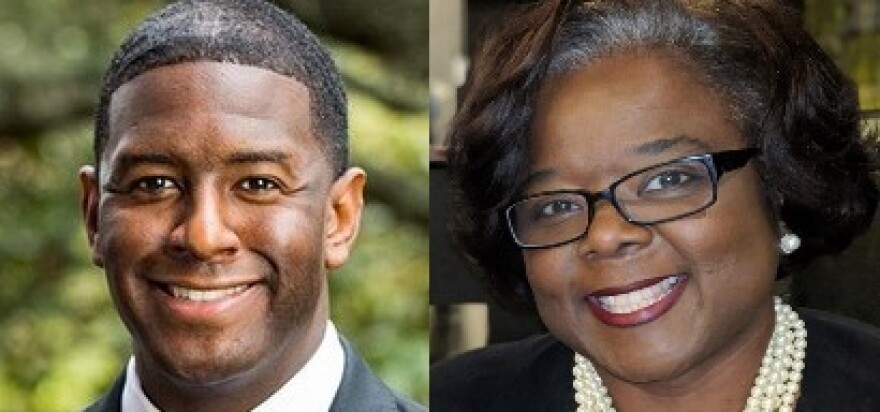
638 299
203 295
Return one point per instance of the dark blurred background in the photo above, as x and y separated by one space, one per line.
462 314
62 342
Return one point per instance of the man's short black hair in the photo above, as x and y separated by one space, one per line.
247 32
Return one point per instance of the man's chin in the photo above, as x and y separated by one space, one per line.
206 369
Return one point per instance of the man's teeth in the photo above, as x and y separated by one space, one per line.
638 299
205 295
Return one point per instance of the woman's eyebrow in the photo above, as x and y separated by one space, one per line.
663 144
538 176
652 147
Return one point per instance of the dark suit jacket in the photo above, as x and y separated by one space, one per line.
842 372
359 391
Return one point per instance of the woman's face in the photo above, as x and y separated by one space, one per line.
712 271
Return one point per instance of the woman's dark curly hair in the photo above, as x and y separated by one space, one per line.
784 93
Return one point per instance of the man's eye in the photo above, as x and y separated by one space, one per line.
258 184
154 184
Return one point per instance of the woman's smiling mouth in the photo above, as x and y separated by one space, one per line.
637 303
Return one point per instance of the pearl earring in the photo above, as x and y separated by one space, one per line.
789 243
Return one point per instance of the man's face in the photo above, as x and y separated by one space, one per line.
215 215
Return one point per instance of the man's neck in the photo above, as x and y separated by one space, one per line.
242 391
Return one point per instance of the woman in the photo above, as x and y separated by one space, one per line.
641 172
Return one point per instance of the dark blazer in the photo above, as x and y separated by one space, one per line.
842 372
359 391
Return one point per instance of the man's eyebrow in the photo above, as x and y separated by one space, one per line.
260 156
661 145
128 160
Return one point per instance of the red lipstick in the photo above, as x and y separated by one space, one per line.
636 303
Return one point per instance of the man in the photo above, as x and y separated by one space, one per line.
220 199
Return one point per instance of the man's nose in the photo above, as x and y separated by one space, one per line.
203 232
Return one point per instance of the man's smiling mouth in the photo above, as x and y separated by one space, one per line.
205 295
205 302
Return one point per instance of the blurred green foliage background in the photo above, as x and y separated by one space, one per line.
850 31
62 343
848 283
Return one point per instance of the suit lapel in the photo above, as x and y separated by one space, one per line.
360 389
112 400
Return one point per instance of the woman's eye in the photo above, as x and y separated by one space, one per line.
258 184
667 180
557 207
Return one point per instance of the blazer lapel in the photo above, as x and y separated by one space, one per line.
360 390
112 400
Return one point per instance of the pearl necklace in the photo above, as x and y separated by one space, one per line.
776 386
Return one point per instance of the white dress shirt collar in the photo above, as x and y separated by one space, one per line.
312 389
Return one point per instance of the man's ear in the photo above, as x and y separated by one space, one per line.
91 195
344 208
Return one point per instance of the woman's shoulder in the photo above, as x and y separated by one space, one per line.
496 359
491 378
842 364
841 339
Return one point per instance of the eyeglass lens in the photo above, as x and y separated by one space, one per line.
659 193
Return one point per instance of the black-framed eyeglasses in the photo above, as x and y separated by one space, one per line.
655 194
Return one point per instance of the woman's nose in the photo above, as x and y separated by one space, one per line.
609 234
